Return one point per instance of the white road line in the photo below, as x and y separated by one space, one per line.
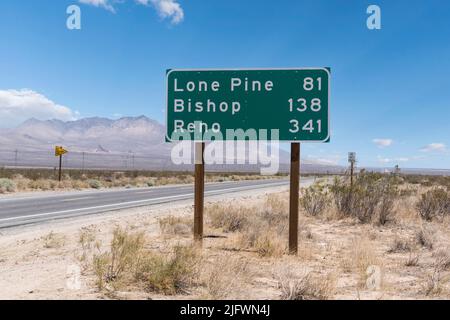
75 199
132 202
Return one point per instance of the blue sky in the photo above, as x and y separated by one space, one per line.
390 97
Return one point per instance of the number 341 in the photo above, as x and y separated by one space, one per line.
310 126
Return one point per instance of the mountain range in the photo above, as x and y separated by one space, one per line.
106 141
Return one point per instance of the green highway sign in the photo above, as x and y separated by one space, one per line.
206 105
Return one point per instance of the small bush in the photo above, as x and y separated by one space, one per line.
175 225
229 219
128 263
7 185
169 274
413 260
400 245
442 258
308 287
314 200
268 244
424 238
435 203
433 283
94 184
224 278
53 240
115 265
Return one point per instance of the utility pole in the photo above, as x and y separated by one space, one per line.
352 160
82 162
16 158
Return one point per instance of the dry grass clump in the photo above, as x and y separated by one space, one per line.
229 218
87 239
269 244
442 258
306 287
261 228
433 283
169 274
172 225
53 240
425 238
360 259
225 276
413 260
400 245
128 263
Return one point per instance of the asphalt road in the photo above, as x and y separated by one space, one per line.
18 211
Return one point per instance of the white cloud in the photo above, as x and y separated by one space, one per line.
434 147
382 143
106 4
326 160
170 9
17 106
383 160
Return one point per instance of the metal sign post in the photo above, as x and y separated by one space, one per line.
199 191
294 197
59 151
352 160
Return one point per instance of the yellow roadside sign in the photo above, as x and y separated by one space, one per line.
59 151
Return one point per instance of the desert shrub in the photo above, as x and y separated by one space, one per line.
268 244
225 276
433 283
315 199
433 204
400 245
175 225
229 218
129 263
53 240
371 197
307 287
169 274
442 258
94 184
125 250
413 260
7 185
425 238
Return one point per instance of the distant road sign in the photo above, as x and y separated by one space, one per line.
294 101
59 151
352 157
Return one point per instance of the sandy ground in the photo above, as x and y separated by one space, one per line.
43 261
39 261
